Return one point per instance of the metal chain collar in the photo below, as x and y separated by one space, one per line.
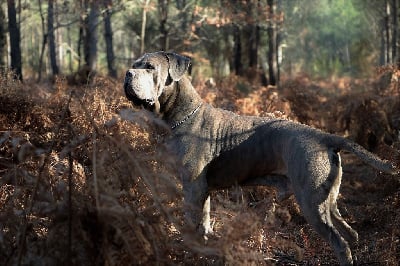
187 117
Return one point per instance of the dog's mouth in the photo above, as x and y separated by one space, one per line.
135 100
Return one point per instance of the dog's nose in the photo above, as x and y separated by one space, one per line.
129 73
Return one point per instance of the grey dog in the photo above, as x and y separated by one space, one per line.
220 149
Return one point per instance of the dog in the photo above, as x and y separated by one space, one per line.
220 149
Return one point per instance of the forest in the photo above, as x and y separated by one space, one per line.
85 178
320 38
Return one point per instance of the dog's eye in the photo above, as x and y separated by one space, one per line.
148 66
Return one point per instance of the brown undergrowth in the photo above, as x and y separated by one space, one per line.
81 181
86 180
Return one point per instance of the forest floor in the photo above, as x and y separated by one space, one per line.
86 180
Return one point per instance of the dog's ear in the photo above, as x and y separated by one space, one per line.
178 65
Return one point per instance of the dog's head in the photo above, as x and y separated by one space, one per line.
150 74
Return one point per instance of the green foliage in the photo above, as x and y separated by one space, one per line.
328 37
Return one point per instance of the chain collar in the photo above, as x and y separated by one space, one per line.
177 124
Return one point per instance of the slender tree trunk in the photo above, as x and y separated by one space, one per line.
3 41
163 12
143 30
237 50
272 59
16 62
80 40
50 35
382 50
253 44
90 38
279 51
44 42
395 17
387 31
108 36
69 50
253 35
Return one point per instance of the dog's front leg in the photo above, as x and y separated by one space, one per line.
206 220
197 204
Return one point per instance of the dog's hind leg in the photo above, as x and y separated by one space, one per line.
320 219
317 188
345 230
340 224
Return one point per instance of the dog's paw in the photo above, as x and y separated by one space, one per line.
208 231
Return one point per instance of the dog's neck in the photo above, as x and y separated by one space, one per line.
178 101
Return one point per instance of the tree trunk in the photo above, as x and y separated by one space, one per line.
109 39
143 30
237 50
163 12
253 44
3 41
90 38
80 39
388 32
69 51
50 35
44 42
16 63
253 34
272 59
278 42
382 50
395 6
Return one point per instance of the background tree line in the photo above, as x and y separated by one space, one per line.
253 38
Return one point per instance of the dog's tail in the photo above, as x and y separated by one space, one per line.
366 156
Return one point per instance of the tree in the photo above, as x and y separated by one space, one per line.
243 20
272 45
3 41
44 41
384 17
321 37
143 29
395 18
163 6
108 37
387 29
90 36
50 36
237 50
15 40
390 29
252 32
81 6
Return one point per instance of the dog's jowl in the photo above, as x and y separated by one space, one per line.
220 149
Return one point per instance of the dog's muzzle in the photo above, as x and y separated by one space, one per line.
147 103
